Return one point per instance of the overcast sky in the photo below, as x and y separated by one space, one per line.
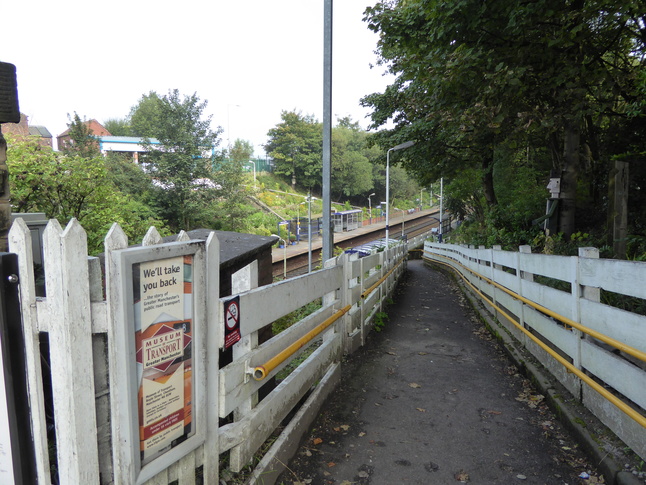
249 59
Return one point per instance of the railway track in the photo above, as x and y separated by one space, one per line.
298 264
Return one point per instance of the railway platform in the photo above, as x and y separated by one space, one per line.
434 398
302 247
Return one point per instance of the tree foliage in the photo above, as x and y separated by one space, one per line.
118 126
295 145
82 142
478 81
181 148
71 186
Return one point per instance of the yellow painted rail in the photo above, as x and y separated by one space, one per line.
381 280
261 371
625 408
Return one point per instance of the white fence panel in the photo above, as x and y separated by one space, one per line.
264 305
605 319
613 275
235 381
87 366
70 351
265 418
20 243
586 276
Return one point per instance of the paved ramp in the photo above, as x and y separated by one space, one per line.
433 399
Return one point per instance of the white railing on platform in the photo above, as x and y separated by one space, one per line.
569 287
78 318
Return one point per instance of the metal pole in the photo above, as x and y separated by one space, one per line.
328 234
309 233
403 217
441 205
388 194
401 146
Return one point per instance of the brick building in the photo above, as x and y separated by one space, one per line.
23 130
96 129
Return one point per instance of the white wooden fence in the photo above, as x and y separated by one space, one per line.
78 316
595 350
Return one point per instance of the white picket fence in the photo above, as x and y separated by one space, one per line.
605 346
80 314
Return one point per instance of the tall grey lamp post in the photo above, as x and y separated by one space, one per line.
401 146
370 206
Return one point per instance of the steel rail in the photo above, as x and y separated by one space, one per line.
622 406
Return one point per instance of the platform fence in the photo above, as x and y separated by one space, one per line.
565 311
75 385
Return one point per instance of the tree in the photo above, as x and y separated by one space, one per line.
83 142
296 146
181 148
146 116
352 171
69 186
118 126
472 76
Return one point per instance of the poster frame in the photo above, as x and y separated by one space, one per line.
125 346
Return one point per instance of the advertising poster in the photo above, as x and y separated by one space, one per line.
163 312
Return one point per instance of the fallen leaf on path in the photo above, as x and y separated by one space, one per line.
494 412
462 476
317 441
345 427
362 434
414 385
421 410
331 464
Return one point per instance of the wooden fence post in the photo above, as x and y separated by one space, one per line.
20 243
70 339
121 461
523 276
215 328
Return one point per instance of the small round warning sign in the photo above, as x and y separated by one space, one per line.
231 322
232 316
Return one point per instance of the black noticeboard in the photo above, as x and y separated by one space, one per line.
17 462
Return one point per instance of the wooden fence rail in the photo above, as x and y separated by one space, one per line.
76 369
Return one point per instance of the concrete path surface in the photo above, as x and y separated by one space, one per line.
434 399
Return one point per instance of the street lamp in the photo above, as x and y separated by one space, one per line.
254 172
421 201
401 146
370 206
284 255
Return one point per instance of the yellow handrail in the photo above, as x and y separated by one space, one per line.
381 280
629 411
261 371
